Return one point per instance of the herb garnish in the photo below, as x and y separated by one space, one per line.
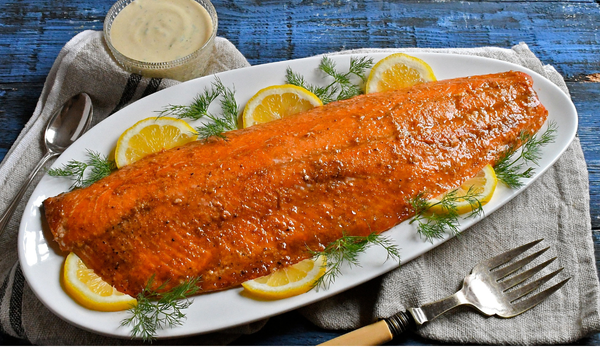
341 86
433 225
346 250
198 109
510 171
99 167
156 310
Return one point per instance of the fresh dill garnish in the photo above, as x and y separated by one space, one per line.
155 310
85 173
510 171
435 225
342 85
199 108
346 249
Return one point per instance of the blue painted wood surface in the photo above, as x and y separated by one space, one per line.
565 34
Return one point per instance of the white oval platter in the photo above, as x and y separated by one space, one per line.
41 261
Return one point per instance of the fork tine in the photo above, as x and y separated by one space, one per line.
526 289
525 305
509 255
505 271
517 279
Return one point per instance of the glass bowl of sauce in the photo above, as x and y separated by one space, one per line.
162 38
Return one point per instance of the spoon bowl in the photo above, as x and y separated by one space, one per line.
65 126
68 123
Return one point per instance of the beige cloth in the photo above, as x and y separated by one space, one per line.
555 207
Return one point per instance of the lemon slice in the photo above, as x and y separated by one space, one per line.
398 71
276 102
89 290
483 186
152 135
289 281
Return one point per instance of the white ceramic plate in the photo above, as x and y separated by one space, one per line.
41 261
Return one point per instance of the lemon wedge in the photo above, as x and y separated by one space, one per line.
89 290
289 281
483 186
398 71
151 135
276 102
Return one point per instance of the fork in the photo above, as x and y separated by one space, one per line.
488 289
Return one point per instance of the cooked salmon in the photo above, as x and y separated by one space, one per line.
230 210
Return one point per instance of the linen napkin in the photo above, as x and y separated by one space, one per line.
553 208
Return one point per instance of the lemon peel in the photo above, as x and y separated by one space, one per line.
481 186
289 281
151 135
398 71
276 102
89 290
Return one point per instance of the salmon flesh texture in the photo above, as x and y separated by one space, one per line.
232 210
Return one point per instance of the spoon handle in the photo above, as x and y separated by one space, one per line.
13 205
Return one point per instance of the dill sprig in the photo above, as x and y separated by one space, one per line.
432 225
342 86
85 173
511 171
155 310
346 250
199 108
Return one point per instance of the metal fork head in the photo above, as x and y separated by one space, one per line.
492 287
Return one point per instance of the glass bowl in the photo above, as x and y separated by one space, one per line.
184 68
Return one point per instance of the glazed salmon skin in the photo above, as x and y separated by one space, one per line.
232 210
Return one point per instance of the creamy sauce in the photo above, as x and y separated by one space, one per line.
160 30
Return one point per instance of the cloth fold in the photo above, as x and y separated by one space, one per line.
556 207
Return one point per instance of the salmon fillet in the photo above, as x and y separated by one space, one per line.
236 209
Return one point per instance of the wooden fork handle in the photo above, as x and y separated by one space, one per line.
375 334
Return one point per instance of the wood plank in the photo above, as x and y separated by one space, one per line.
32 33
558 32
17 103
585 97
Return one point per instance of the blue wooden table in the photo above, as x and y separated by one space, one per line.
565 34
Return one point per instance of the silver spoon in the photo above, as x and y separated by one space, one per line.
65 126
